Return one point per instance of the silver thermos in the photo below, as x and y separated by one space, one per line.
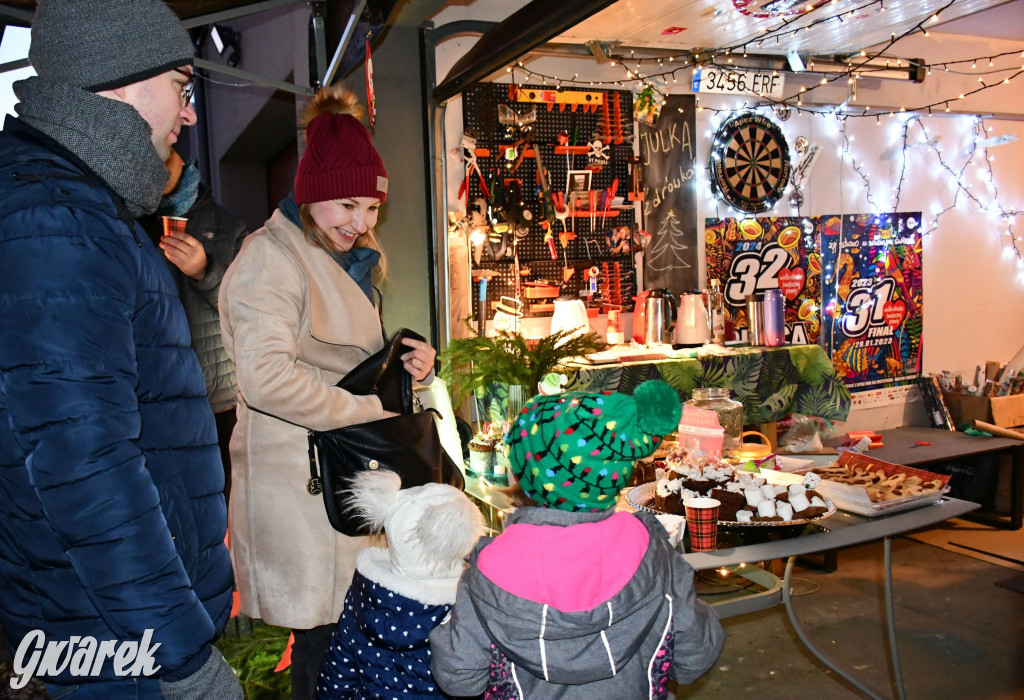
659 317
755 320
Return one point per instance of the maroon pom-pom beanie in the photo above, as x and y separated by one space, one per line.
339 161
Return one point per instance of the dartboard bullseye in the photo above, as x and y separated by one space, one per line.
750 163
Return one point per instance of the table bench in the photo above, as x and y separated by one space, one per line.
948 446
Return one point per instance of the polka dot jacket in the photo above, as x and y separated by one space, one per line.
380 648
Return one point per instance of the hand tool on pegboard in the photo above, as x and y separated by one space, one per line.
604 130
616 119
589 101
592 274
547 198
482 277
469 154
636 188
561 213
615 295
607 195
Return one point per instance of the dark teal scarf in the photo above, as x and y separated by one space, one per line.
358 262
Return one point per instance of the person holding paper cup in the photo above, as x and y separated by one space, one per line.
574 597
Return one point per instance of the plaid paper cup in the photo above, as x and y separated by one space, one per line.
702 523
174 223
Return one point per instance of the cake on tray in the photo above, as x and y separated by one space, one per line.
744 496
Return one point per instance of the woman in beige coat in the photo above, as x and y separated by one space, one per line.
296 315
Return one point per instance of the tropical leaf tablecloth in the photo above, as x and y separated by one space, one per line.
770 382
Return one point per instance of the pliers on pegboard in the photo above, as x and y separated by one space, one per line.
468 143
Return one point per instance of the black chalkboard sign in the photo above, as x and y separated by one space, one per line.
668 155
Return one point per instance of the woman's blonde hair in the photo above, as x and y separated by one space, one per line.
320 239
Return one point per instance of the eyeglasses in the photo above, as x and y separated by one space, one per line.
189 88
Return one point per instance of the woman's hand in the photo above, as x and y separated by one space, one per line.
419 361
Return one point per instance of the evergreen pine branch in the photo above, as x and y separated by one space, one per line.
468 364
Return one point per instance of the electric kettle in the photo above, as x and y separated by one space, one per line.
693 328
659 316
570 315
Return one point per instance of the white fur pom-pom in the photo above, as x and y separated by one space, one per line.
450 529
373 494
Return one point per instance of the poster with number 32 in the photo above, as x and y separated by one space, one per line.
752 255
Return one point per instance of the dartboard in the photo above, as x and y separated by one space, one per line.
750 163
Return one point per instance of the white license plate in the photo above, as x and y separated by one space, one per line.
738 82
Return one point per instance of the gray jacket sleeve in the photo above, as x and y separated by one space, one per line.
697 634
460 656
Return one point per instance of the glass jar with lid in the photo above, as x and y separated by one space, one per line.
730 414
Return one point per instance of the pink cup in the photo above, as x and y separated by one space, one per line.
702 523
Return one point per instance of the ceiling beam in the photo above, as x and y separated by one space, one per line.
235 13
254 77
346 36
531 26
15 13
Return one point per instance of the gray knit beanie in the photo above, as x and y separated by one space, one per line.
106 44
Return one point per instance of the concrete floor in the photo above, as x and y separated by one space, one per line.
960 636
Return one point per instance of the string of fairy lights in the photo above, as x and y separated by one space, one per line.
978 157
857 67
666 68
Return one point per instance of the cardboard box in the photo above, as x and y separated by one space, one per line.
1004 411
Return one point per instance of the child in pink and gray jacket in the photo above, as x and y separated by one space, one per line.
573 599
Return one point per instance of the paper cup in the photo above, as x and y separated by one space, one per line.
174 223
702 523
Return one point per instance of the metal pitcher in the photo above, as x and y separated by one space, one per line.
659 316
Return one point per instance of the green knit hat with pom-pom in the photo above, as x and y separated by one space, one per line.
575 451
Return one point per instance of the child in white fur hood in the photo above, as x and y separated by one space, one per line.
399 594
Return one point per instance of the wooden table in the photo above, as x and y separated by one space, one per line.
946 446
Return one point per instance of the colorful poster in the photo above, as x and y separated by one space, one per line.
752 255
872 306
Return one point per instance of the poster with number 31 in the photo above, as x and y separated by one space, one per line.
872 299
851 283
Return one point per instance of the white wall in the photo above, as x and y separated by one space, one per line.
973 281
14 47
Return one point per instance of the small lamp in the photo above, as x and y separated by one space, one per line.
570 315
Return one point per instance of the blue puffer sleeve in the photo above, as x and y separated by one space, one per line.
67 358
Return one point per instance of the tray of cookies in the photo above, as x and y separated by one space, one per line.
868 486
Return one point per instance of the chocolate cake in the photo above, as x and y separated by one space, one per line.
731 502
646 471
743 496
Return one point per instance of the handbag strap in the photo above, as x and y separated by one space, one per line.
315 485
380 313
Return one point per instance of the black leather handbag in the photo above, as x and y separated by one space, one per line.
407 444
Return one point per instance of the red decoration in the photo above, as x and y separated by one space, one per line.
893 312
791 282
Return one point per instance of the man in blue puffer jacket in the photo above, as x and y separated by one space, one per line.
114 576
